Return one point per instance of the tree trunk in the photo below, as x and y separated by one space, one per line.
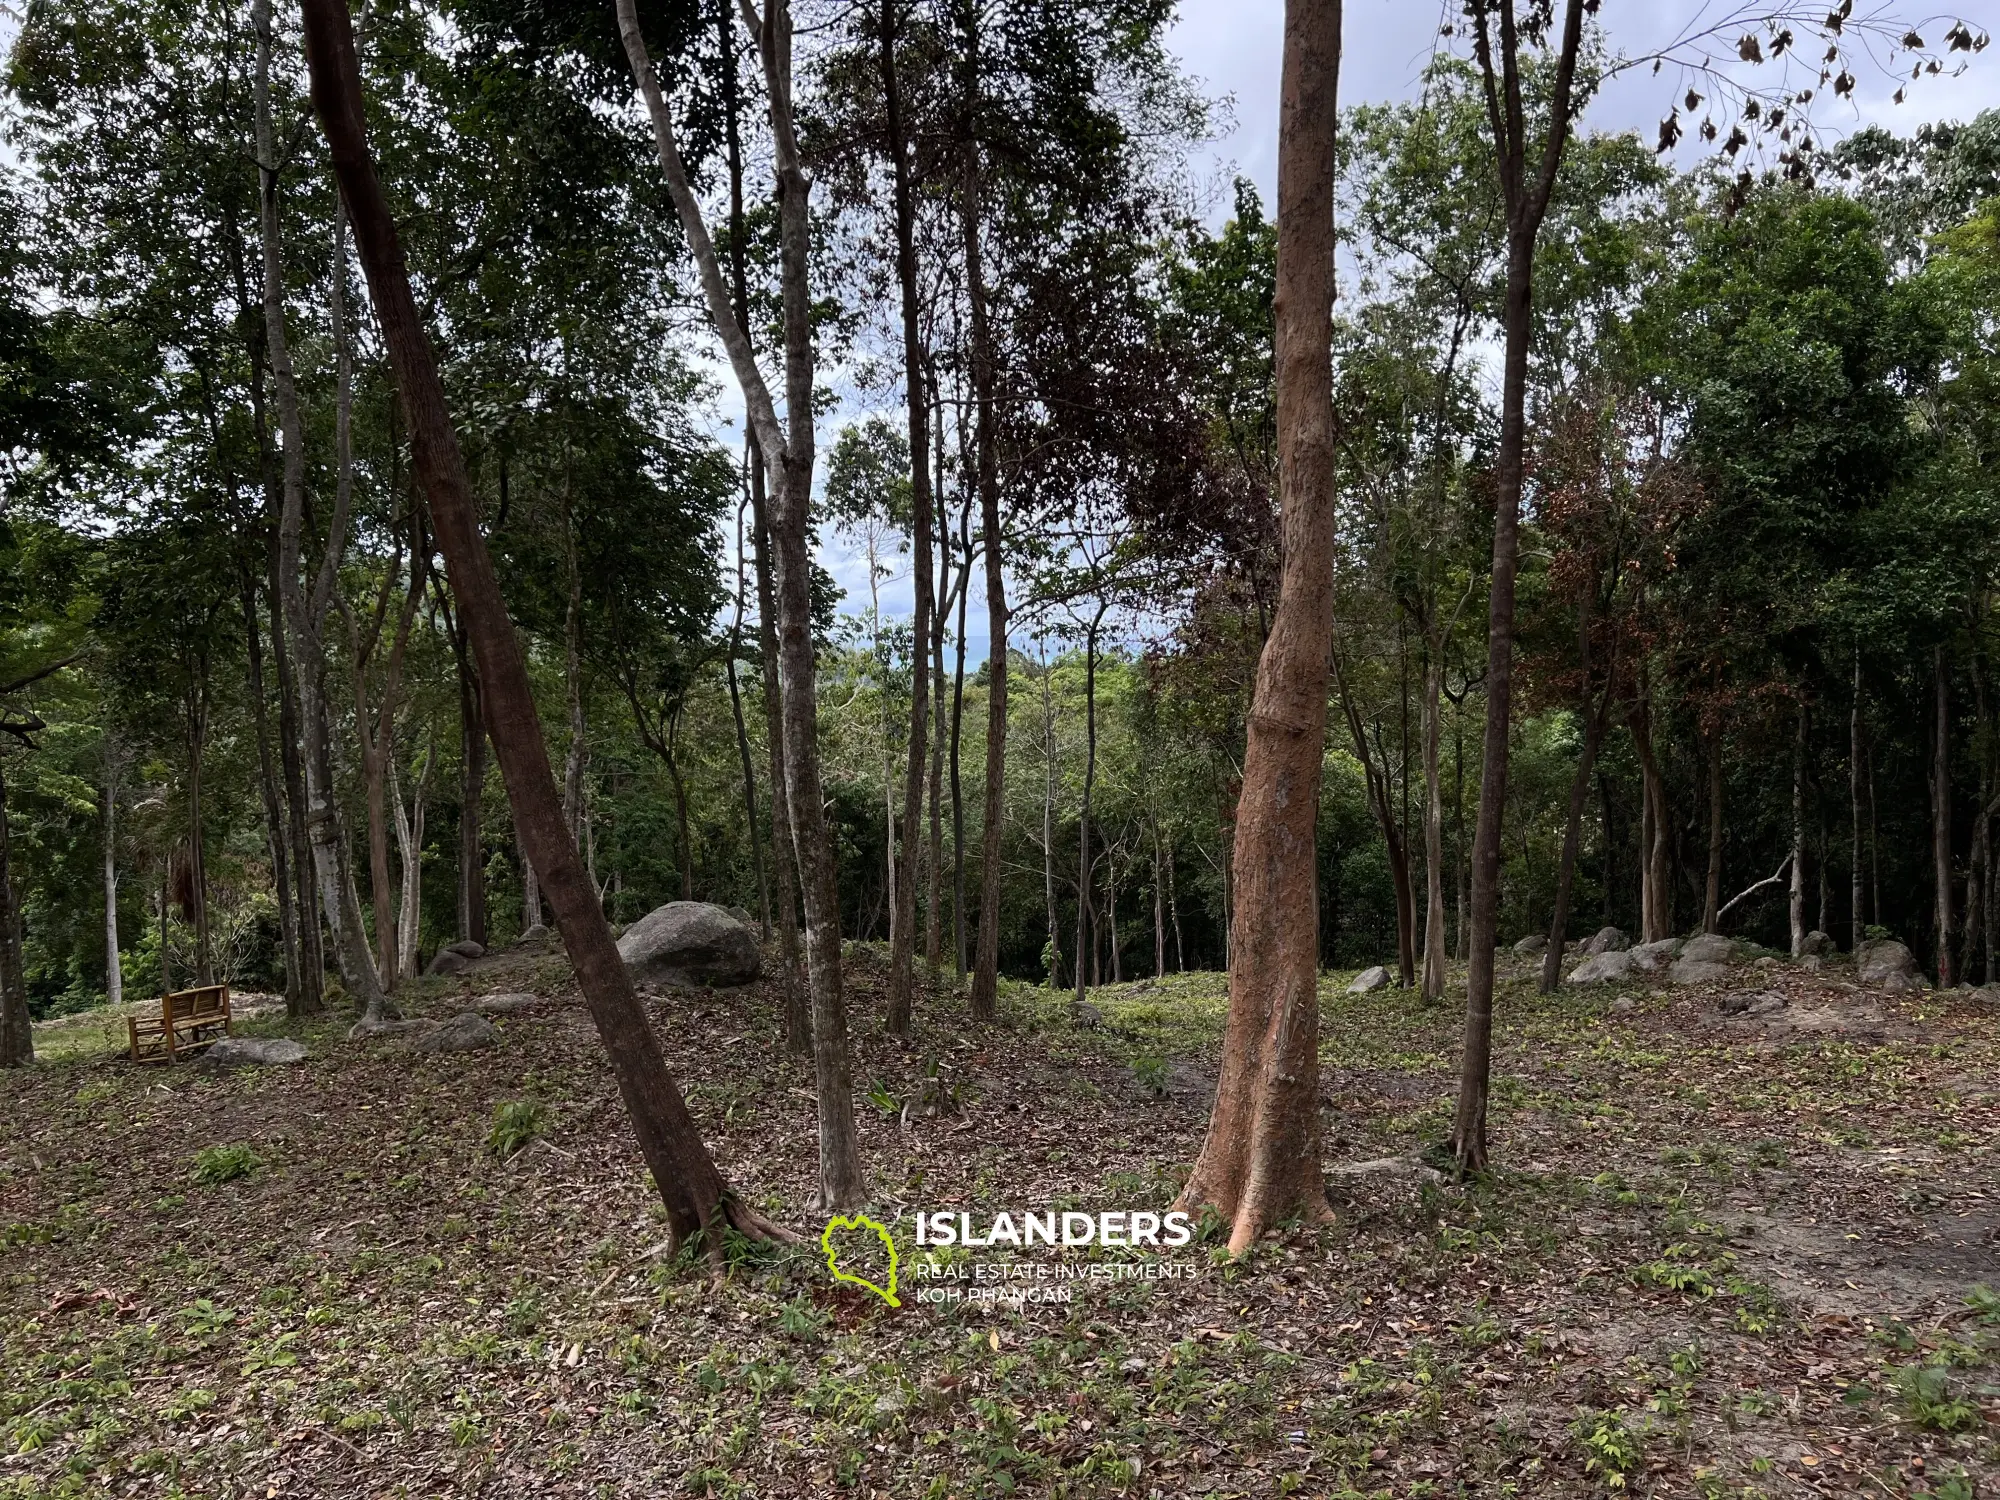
1434 934
902 948
1083 901
1049 825
798 1012
1375 768
751 828
1712 890
410 850
471 793
1526 203
1797 902
1579 790
274 818
17 1036
114 971
312 953
959 932
1260 1160
1941 816
790 454
984 1000
1159 904
1656 893
683 1172
304 614
1858 925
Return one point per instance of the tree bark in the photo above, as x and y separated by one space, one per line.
789 452
1260 1161
1375 769
312 953
1049 824
683 1172
1434 933
409 851
903 930
274 818
984 1000
1526 203
1941 816
751 828
471 789
1579 791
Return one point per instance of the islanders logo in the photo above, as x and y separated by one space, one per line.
860 1221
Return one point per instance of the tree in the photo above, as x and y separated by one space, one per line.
1260 1161
696 1198
787 452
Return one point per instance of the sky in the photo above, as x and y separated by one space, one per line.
1233 48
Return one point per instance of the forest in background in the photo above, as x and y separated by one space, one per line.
1756 599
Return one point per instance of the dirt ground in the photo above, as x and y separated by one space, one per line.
1717 1255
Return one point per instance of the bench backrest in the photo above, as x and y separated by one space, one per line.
189 1005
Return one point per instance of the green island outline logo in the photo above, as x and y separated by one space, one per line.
859 1221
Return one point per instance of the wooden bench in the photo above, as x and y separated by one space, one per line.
188 1022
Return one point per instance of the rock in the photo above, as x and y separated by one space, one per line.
1133 1366
1647 957
375 1026
1761 1003
1705 959
741 915
1817 945
1607 940
503 1005
536 934
446 962
1624 1003
1369 980
1887 965
1388 1166
254 1052
1603 968
1812 963
465 1032
1766 962
1086 1015
693 943
1534 943
466 948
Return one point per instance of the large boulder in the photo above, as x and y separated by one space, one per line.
448 961
1533 945
692 943
1887 965
254 1052
1815 945
1706 959
1607 940
1367 980
536 934
467 948
505 1005
1603 968
467 1031
1647 957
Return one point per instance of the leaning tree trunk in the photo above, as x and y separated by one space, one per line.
696 1198
1260 1161
17 1036
903 929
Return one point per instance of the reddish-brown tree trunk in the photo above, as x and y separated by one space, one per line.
685 1175
1260 1161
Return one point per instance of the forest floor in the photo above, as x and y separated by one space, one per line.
1715 1256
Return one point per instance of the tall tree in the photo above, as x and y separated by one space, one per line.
787 451
1260 1161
